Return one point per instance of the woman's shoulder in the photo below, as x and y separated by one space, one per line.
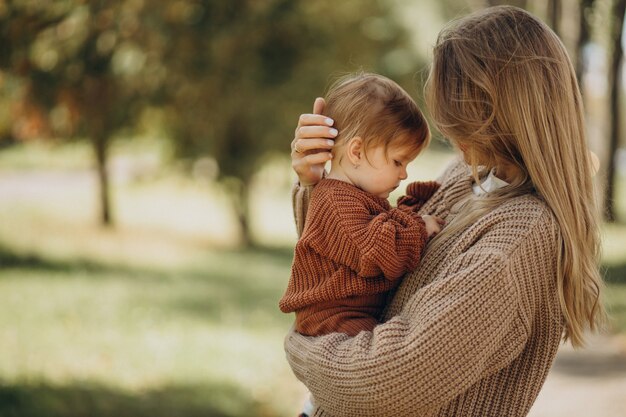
530 208
521 223
456 169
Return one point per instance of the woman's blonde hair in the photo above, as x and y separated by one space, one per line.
502 88
378 110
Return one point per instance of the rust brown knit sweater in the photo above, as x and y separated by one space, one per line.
472 332
352 252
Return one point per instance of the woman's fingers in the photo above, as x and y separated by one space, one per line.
318 105
312 132
317 158
317 144
309 168
313 140
308 119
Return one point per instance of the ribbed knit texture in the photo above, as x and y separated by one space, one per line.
472 331
352 252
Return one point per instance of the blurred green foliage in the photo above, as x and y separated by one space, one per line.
220 78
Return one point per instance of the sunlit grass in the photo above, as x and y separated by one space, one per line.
138 331
211 323
47 155
158 316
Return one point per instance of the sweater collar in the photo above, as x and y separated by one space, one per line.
342 185
489 184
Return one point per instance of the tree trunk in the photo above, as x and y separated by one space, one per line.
244 225
95 99
100 150
519 3
584 35
615 87
554 15
240 193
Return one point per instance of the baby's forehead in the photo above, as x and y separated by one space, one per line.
408 140
404 150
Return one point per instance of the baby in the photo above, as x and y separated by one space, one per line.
355 247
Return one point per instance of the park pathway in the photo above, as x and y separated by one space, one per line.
586 383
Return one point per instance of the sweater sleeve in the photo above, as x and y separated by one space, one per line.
389 243
451 334
416 195
300 197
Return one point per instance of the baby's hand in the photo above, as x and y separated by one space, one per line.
433 225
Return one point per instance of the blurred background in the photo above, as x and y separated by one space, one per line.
146 230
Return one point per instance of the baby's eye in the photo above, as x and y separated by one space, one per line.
398 163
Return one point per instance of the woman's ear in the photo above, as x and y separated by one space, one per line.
354 151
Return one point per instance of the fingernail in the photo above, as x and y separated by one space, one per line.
329 121
333 132
330 142
330 156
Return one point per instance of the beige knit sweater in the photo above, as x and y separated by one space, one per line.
472 332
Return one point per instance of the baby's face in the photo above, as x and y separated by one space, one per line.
381 172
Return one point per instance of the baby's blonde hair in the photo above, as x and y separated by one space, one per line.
502 87
378 110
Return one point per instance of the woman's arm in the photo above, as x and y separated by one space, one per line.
450 335
300 197
470 322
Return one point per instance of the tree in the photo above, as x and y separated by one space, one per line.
522 4
584 36
554 15
240 71
229 75
615 108
81 65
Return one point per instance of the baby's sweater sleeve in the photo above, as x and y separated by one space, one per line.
417 193
451 334
389 243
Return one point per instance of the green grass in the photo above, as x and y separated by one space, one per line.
158 317
204 339
161 316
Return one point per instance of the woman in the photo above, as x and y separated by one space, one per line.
474 330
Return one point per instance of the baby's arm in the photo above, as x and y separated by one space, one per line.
417 194
389 243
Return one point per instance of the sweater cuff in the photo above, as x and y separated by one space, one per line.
300 197
299 349
296 350
422 190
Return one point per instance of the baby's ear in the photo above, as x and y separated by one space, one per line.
354 150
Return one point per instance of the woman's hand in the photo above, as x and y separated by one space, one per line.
311 146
